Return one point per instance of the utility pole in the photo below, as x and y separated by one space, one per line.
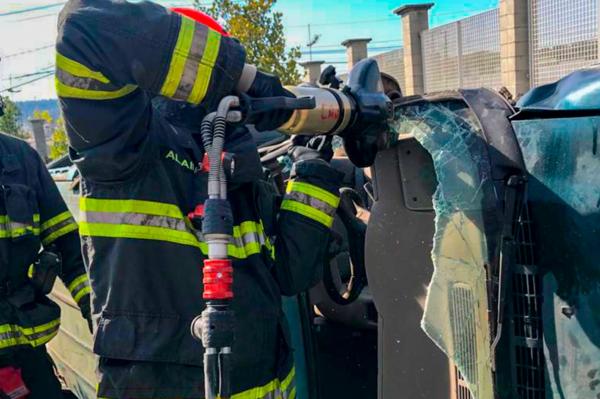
309 44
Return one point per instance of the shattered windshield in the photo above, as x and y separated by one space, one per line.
456 310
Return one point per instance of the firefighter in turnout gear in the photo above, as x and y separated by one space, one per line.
142 173
33 216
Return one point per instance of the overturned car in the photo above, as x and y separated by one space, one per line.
479 276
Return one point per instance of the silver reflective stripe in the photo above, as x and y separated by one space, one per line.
190 70
312 202
36 336
137 219
58 226
21 338
250 238
83 83
75 290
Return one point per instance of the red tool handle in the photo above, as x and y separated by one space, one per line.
218 279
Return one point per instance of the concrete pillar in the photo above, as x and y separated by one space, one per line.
415 19
39 134
356 50
312 71
514 46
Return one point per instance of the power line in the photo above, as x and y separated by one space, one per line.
10 89
31 9
342 50
53 14
33 50
336 46
363 21
46 69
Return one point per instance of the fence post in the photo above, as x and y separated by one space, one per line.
39 135
415 19
514 45
312 71
356 50
459 45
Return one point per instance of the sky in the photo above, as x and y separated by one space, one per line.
26 36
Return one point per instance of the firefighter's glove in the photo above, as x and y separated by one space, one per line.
267 85
307 148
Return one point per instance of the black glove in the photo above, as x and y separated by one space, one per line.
306 148
266 85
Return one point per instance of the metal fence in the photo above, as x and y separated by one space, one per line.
392 63
441 58
563 37
465 53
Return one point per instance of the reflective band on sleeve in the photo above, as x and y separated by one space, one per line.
274 389
307 211
205 69
179 57
79 287
57 227
10 229
314 191
192 62
147 220
72 92
75 80
311 201
77 69
15 335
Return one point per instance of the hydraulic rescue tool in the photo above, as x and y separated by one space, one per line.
359 113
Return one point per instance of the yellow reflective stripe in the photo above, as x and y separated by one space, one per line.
86 290
40 328
262 391
205 68
55 220
21 231
75 68
246 227
73 92
314 191
76 282
179 57
139 232
288 380
309 212
129 206
29 330
59 233
25 336
79 287
292 393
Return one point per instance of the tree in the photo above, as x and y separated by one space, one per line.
10 123
260 30
59 143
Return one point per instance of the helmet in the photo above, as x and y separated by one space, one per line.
200 17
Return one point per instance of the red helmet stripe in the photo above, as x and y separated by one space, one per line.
201 17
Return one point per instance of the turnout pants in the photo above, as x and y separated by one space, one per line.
37 371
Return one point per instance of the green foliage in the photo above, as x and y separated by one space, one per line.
10 122
60 142
260 30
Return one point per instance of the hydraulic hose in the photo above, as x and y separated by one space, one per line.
215 326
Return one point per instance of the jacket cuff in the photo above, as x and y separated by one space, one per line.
232 58
319 172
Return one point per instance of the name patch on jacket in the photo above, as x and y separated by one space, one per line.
181 161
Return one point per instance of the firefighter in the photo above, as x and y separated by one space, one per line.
141 178
33 216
